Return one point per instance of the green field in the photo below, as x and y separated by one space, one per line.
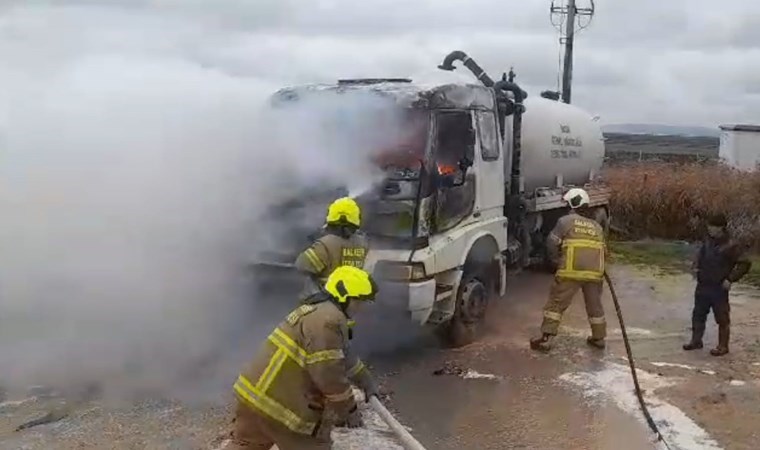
668 256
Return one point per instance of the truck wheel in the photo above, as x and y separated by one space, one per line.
472 303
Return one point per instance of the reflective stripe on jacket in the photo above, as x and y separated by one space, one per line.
579 243
325 255
302 370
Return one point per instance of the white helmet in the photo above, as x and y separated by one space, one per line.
576 197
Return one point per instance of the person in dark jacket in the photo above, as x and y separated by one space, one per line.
719 262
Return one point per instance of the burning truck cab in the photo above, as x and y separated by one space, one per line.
425 155
469 187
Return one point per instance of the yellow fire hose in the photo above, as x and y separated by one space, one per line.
407 440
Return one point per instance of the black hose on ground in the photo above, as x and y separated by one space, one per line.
632 365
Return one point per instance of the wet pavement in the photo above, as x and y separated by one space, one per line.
497 393
528 406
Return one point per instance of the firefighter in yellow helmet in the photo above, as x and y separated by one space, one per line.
340 245
299 386
577 246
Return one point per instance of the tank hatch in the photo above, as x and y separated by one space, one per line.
369 81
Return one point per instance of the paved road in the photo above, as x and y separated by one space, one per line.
529 407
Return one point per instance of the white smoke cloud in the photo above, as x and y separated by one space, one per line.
136 157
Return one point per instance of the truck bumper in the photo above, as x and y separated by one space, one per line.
421 300
410 300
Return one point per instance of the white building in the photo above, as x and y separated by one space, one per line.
740 146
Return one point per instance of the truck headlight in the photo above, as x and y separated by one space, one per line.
399 271
417 271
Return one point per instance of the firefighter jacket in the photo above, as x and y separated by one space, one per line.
721 259
325 255
300 377
577 246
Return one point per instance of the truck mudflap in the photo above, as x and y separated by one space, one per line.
421 300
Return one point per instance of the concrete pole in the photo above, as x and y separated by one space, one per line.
567 72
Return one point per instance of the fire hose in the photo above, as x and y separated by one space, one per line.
639 395
407 440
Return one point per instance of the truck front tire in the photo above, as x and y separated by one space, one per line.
480 281
472 302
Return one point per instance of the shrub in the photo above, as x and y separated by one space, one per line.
669 200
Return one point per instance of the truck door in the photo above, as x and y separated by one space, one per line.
454 153
490 196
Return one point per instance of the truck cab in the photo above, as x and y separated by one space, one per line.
456 224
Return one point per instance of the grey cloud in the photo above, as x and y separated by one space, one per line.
293 41
299 41
741 31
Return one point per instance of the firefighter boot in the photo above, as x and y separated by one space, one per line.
697 331
724 334
596 343
543 343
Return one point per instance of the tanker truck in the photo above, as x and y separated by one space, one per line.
472 196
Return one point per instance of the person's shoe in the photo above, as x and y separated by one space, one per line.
543 343
596 343
719 351
693 346
724 333
697 331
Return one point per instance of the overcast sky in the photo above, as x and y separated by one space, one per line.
676 61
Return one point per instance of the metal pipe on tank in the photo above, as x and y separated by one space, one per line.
520 95
458 55
509 86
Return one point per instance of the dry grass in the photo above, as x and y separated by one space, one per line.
667 200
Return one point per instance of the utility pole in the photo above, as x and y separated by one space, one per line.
567 70
572 14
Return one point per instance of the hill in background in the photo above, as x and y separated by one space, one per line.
653 129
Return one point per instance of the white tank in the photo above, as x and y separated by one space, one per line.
558 139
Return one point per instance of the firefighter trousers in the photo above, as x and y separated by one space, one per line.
255 432
561 296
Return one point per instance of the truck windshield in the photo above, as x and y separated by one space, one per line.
390 207
394 138
405 145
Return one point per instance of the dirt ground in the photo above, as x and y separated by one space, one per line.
497 393
722 395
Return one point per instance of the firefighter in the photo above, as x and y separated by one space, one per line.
298 387
577 246
719 262
340 245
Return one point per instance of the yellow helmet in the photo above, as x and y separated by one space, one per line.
351 283
344 210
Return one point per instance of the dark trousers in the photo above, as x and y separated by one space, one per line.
710 297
